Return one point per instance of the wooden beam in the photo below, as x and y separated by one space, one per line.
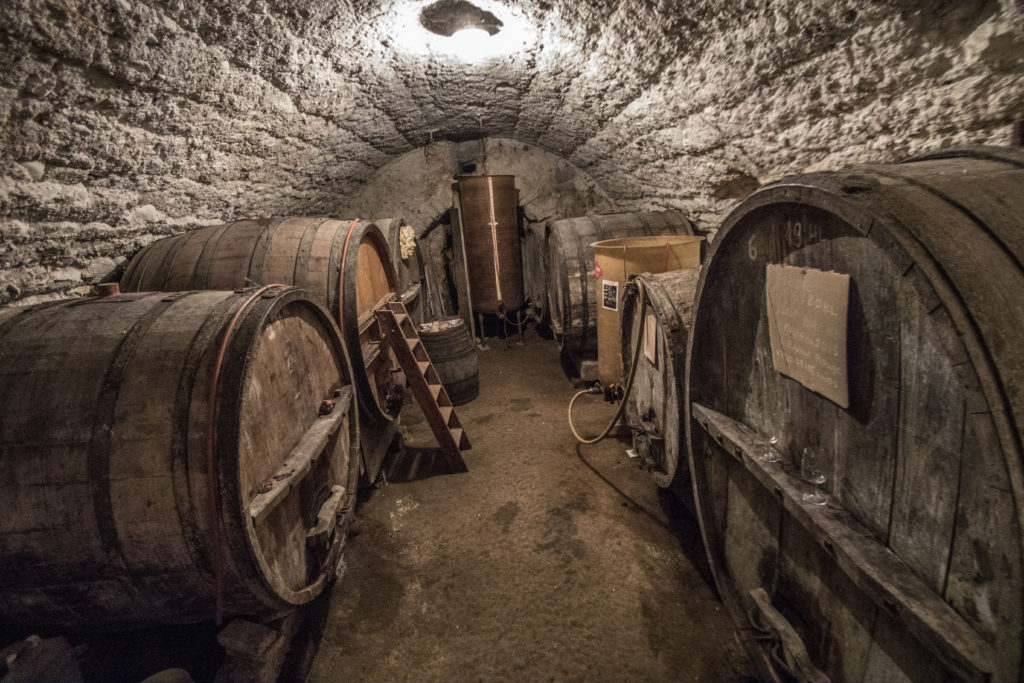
871 565
298 463
367 319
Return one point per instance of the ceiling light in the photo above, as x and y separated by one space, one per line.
461 31
474 44
447 17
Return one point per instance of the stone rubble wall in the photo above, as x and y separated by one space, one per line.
820 87
418 185
122 121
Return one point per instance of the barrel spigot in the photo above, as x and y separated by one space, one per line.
613 392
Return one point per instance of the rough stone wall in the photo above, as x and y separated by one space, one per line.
811 86
124 120
417 185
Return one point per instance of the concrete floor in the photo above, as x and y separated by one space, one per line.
539 563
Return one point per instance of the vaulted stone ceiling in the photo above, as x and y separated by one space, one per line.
116 114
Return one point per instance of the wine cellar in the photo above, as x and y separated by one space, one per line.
494 340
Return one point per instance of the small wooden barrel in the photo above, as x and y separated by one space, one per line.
656 400
346 265
159 450
535 279
451 350
913 571
572 287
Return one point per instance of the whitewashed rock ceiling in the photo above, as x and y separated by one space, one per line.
121 118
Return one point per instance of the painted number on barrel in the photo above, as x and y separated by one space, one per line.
792 235
797 234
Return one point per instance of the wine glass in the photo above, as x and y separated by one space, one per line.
812 470
768 452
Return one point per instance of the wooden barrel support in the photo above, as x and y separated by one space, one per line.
346 265
913 571
657 399
572 287
169 455
453 353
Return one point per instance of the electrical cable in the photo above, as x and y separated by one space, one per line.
629 380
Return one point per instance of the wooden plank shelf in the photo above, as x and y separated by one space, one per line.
298 463
872 566
368 318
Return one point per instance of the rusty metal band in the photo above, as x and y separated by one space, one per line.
207 257
166 265
264 241
300 274
341 275
139 284
128 277
100 447
212 416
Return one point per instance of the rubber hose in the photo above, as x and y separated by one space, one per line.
629 380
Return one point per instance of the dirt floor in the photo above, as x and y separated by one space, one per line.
542 562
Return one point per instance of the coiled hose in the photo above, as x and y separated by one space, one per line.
629 380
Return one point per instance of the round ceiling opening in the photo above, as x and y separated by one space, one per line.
448 17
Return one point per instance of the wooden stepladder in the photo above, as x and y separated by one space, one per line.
401 335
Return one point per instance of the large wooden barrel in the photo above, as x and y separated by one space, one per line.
572 287
453 353
367 280
490 225
656 401
345 264
160 450
535 279
914 570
